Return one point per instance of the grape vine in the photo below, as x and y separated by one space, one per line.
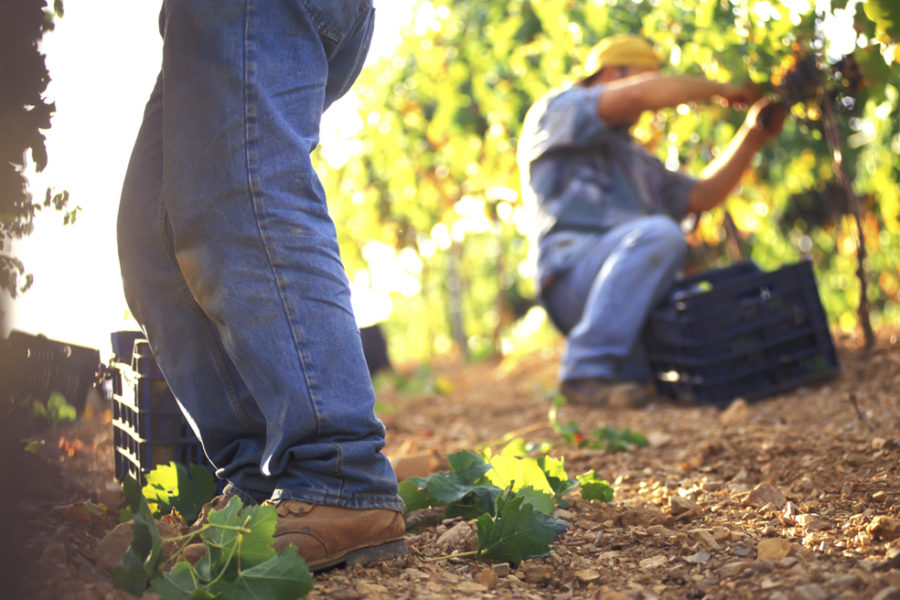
807 79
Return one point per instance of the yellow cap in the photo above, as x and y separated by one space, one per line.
623 50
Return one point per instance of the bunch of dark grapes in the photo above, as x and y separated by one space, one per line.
804 80
848 80
801 82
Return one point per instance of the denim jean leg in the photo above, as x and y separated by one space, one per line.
616 285
244 86
179 332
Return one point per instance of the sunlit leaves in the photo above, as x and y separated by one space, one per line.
450 100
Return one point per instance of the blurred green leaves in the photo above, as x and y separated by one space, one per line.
435 178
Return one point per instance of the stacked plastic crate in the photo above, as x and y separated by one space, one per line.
739 332
149 428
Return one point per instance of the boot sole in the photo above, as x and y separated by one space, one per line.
363 556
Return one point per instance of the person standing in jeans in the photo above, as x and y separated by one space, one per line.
230 264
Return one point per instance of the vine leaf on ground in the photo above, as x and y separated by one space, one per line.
462 490
141 561
186 489
594 488
618 440
239 536
517 532
282 577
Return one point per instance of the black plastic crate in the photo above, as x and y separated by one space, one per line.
36 366
740 332
149 428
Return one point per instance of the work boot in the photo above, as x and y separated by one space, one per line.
327 536
605 393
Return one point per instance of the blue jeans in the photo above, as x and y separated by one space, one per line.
604 300
229 257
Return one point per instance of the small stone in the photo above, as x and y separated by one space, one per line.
879 497
370 590
470 587
680 505
586 576
737 413
765 493
845 580
889 593
538 573
705 537
773 549
884 528
787 562
735 568
455 536
810 591
609 594
501 569
814 522
699 558
488 578
114 545
654 561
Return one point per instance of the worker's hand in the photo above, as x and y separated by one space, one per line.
767 115
741 95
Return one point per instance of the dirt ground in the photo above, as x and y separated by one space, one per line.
791 497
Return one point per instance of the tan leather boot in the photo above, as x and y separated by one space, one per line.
328 536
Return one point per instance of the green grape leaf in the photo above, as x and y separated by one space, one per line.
525 477
594 488
238 531
181 583
615 440
462 498
141 561
469 466
282 577
555 471
413 497
186 489
517 532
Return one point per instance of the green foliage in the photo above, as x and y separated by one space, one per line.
239 562
55 412
617 440
24 114
33 446
516 532
472 487
435 180
141 562
594 488
175 486
462 490
603 438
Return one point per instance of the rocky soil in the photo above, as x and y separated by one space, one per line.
791 497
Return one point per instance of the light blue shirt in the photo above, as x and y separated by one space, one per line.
584 177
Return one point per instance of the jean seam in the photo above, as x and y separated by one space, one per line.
331 31
252 190
211 342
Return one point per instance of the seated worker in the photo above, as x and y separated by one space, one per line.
609 241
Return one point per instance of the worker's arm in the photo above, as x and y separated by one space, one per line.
623 100
721 176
